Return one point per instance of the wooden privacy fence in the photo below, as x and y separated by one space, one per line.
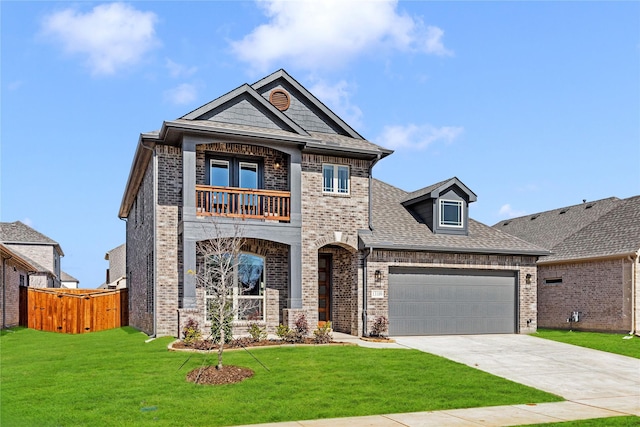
73 311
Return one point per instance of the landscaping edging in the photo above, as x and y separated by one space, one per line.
170 347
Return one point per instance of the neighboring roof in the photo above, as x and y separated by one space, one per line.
117 248
395 228
65 277
18 232
548 229
604 228
433 191
617 232
21 260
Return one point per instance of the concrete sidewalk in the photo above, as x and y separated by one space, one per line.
596 384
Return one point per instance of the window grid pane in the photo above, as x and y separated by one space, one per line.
343 179
327 178
451 213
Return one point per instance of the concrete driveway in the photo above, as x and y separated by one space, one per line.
578 374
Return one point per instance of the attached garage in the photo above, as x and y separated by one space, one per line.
427 301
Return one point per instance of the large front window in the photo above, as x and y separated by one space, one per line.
234 173
451 213
335 179
247 288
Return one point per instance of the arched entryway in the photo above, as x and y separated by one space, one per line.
338 287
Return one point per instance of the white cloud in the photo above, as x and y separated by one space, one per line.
179 70
27 221
15 85
506 211
111 37
324 34
182 94
338 98
416 137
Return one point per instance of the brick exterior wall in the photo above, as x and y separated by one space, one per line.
11 303
599 290
329 219
45 255
523 265
139 249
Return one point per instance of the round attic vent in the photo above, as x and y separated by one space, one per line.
280 99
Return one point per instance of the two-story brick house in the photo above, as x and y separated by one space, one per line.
322 237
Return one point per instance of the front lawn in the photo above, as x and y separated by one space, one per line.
115 378
612 343
630 421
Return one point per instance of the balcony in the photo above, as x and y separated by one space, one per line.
245 203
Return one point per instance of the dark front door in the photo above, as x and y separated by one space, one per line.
324 289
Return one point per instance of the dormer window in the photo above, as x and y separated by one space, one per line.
451 214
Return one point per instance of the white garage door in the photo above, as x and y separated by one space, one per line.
426 301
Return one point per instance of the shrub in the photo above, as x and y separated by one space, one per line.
302 328
285 333
257 332
380 325
191 332
322 335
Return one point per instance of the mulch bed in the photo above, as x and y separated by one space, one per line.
212 376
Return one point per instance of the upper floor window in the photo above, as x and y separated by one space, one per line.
335 179
451 213
234 173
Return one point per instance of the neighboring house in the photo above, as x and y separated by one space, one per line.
117 271
41 251
68 281
14 271
590 281
322 237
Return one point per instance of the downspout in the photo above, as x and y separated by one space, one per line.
634 288
4 294
366 256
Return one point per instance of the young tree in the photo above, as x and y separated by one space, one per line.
217 263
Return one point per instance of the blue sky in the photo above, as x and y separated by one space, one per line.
533 105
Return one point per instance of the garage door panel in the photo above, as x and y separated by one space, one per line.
478 302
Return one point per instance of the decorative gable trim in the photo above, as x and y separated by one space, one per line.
245 90
290 81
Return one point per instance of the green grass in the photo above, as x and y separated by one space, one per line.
630 421
115 378
612 343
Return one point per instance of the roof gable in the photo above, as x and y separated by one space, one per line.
18 232
305 109
434 191
244 106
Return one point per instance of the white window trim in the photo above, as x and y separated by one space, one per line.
335 181
460 203
251 165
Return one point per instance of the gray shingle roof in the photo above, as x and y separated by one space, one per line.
19 232
617 232
547 229
606 227
426 191
395 228
66 277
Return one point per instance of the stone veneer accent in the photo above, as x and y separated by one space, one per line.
329 219
383 259
599 290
